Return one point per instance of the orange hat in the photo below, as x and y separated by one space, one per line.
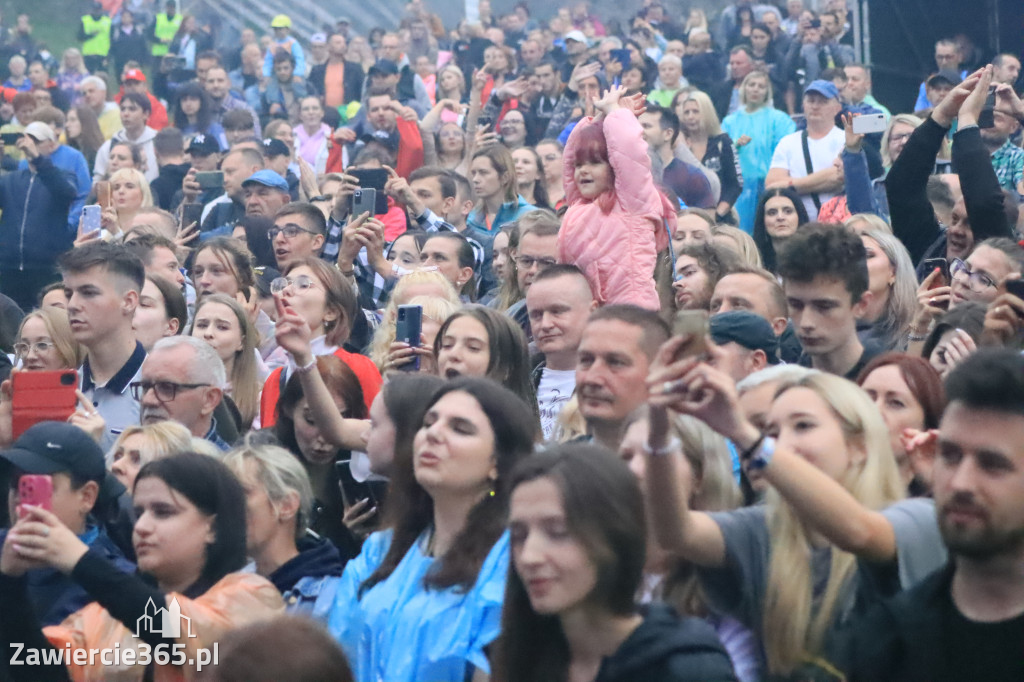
134 75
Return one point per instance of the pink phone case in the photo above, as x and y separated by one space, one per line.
35 490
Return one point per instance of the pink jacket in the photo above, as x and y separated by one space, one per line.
616 250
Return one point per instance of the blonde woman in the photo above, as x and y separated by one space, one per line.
140 445
71 73
893 286
702 131
222 322
44 342
738 241
769 567
129 193
418 284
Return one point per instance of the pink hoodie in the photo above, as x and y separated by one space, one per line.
617 250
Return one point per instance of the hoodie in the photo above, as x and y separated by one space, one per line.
309 581
668 648
144 141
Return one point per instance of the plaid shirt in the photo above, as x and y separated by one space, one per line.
1008 162
375 289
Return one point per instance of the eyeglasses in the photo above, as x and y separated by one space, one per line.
976 281
900 138
527 262
166 391
302 282
40 347
290 231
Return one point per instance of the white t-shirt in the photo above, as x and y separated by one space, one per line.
556 387
790 156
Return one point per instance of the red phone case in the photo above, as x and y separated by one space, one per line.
42 396
36 490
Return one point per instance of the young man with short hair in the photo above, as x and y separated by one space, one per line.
559 302
965 621
102 282
452 255
661 128
825 276
169 147
135 109
298 234
221 214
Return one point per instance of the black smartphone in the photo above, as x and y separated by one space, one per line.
986 119
621 56
408 329
210 179
942 264
191 213
10 139
1015 287
373 178
352 491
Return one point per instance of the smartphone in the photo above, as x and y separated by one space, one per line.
1015 287
91 218
191 213
621 56
10 139
374 178
866 124
210 179
408 329
175 62
694 324
42 396
35 490
986 119
363 201
943 265
352 490
102 190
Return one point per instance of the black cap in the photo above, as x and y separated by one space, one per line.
748 330
383 67
946 76
274 147
54 447
203 144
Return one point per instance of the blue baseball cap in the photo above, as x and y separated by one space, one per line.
824 88
267 178
751 331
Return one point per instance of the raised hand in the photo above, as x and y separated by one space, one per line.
946 110
853 140
970 110
292 332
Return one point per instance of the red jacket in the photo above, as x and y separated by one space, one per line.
410 150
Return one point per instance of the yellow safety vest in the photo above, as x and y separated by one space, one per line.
164 30
99 30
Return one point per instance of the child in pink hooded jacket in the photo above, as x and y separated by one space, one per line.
617 220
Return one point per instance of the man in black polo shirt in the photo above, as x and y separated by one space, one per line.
102 283
965 621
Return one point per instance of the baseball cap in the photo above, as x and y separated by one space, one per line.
384 67
824 88
945 76
203 144
281 21
53 447
576 35
751 331
318 38
274 147
134 75
40 132
267 178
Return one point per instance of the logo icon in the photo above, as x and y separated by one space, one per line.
163 621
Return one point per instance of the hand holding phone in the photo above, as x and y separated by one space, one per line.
364 200
42 396
408 329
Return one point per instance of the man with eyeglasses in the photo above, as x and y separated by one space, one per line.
182 380
537 251
265 193
298 233
102 282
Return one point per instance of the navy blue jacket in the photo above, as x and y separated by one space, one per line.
34 225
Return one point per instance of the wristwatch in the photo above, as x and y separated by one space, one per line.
762 456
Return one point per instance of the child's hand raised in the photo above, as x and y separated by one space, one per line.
610 101
636 103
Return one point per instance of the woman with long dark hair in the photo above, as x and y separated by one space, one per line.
423 599
193 114
570 611
779 214
189 538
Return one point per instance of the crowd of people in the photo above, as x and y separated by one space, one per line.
559 348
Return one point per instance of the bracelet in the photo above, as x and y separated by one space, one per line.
764 455
671 446
746 454
306 368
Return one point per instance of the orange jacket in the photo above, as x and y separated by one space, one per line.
410 150
236 600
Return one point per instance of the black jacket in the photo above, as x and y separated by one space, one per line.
168 183
913 219
316 558
34 223
668 648
353 80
